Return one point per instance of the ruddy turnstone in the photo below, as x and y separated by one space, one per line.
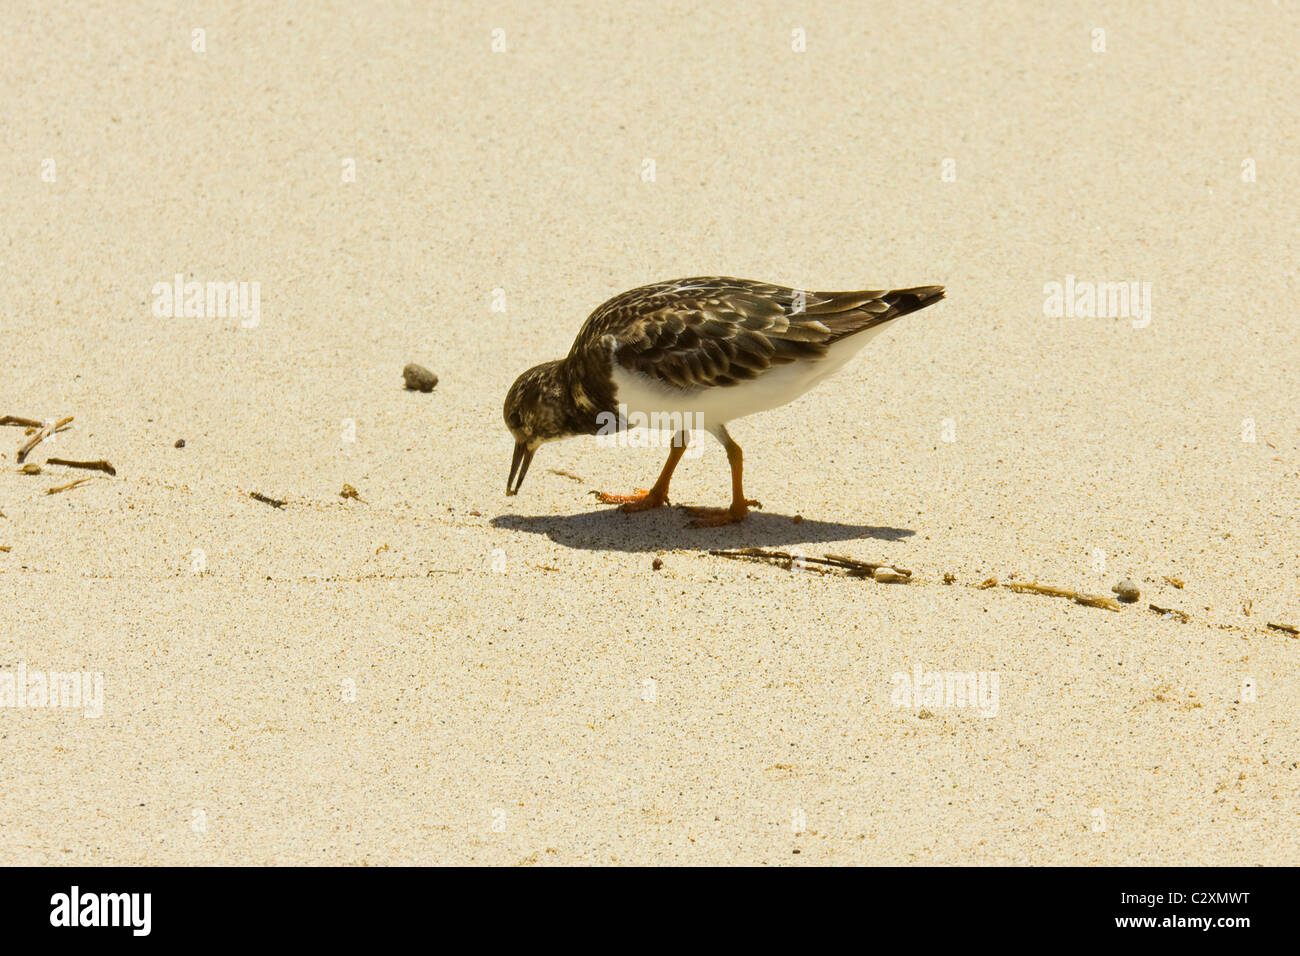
701 351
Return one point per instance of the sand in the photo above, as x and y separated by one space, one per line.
437 673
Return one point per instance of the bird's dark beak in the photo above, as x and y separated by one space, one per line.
523 458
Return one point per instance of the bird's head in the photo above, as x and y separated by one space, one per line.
536 411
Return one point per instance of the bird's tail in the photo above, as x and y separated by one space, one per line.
903 301
847 313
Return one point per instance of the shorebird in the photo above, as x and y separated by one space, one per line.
702 351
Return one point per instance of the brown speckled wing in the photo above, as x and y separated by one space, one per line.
703 332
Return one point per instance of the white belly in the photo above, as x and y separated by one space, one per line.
640 395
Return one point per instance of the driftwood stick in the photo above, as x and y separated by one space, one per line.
72 484
862 569
99 465
1181 616
780 558
769 557
273 502
1091 600
831 563
46 430
19 420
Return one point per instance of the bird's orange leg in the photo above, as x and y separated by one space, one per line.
714 517
643 500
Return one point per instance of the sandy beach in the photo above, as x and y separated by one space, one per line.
434 673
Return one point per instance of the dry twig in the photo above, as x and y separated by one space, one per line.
72 484
1181 616
99 465
46 430
832 563
1091 600
566 474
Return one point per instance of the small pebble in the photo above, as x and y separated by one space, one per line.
180 443
657 564
348 492
1127 591
949 578
30 469
418 378
885 575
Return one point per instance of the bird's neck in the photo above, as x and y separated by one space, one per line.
570 389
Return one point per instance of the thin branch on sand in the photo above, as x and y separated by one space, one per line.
566 474
1181 616
99 465
780 558
830 564
72 484
46 430
1090 600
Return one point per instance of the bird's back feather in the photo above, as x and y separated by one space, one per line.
713 331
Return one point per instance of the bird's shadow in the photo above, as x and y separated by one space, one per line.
608 529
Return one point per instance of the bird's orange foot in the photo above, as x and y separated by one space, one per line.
717 517
641 500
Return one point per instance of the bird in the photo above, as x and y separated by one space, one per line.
700 351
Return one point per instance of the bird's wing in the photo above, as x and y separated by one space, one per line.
696 333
